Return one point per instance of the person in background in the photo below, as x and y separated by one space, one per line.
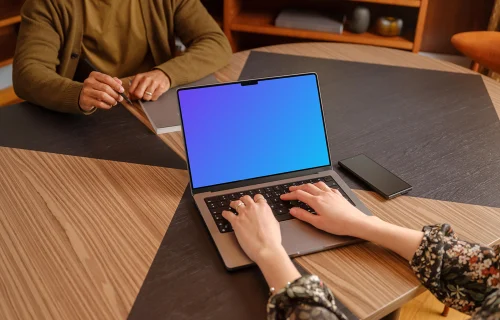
124 39
463 275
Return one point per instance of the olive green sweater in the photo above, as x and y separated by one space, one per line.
50 43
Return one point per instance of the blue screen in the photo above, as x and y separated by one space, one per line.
236 132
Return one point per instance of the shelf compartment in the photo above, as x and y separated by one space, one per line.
10 13
263 23
401 3
8 38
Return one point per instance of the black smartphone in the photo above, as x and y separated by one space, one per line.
381 180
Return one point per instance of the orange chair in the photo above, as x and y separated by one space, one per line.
483 47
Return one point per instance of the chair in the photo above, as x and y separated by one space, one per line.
483 47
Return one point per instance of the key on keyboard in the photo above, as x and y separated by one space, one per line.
281 209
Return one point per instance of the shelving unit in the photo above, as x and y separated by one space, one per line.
9 25
263 23
240 17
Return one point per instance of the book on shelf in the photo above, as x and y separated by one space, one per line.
311 20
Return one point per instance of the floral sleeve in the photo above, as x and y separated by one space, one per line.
307 298
463 275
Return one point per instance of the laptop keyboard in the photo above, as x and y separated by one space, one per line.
280 208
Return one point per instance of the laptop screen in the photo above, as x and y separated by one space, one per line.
253 129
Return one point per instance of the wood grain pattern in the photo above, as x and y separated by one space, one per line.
427 307
175 141
77 235
372 281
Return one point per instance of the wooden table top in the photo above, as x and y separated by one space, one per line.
78 234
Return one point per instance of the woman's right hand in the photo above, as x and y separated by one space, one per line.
334 214
100 91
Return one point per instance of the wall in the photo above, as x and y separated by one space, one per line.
448 17
5 77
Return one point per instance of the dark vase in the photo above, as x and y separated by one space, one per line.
360 21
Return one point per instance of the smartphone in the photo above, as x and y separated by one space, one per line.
381 180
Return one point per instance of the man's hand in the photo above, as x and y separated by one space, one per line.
100 91
149 86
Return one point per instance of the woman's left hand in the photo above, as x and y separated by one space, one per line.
255 226
259 235
149 86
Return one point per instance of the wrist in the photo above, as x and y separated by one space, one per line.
269 254
277 267
363 226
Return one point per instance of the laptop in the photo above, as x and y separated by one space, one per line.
259 136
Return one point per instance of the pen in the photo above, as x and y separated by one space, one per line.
97 70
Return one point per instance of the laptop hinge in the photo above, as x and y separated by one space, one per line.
250 182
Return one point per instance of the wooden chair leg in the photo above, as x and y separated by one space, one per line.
445 311
474 66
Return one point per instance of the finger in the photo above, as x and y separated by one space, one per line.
258 198
135 82
107 89
104 78
139 85
236 205
337 192
118 81
141 88
229 216
158 93
150 91
102 96
247 200
91 102
308 188
303 215
300 195
322 186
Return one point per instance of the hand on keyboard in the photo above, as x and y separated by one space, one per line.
255 226
272 194
334 214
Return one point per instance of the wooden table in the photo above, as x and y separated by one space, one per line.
77 235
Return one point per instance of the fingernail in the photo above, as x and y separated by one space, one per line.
292 210
122 90
120 99
115 103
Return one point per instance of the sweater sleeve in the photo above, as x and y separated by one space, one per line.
460 274
36 59
306 298
207 47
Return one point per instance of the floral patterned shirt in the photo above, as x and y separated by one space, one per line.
464 276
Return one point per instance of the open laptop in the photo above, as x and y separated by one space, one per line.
258 136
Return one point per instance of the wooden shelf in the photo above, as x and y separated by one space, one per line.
8 40
10 21
401 3
10 13
263 23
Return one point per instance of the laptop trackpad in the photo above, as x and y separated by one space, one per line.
300 238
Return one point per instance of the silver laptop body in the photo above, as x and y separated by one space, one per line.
298 238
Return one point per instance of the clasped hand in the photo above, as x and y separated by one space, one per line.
103 91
